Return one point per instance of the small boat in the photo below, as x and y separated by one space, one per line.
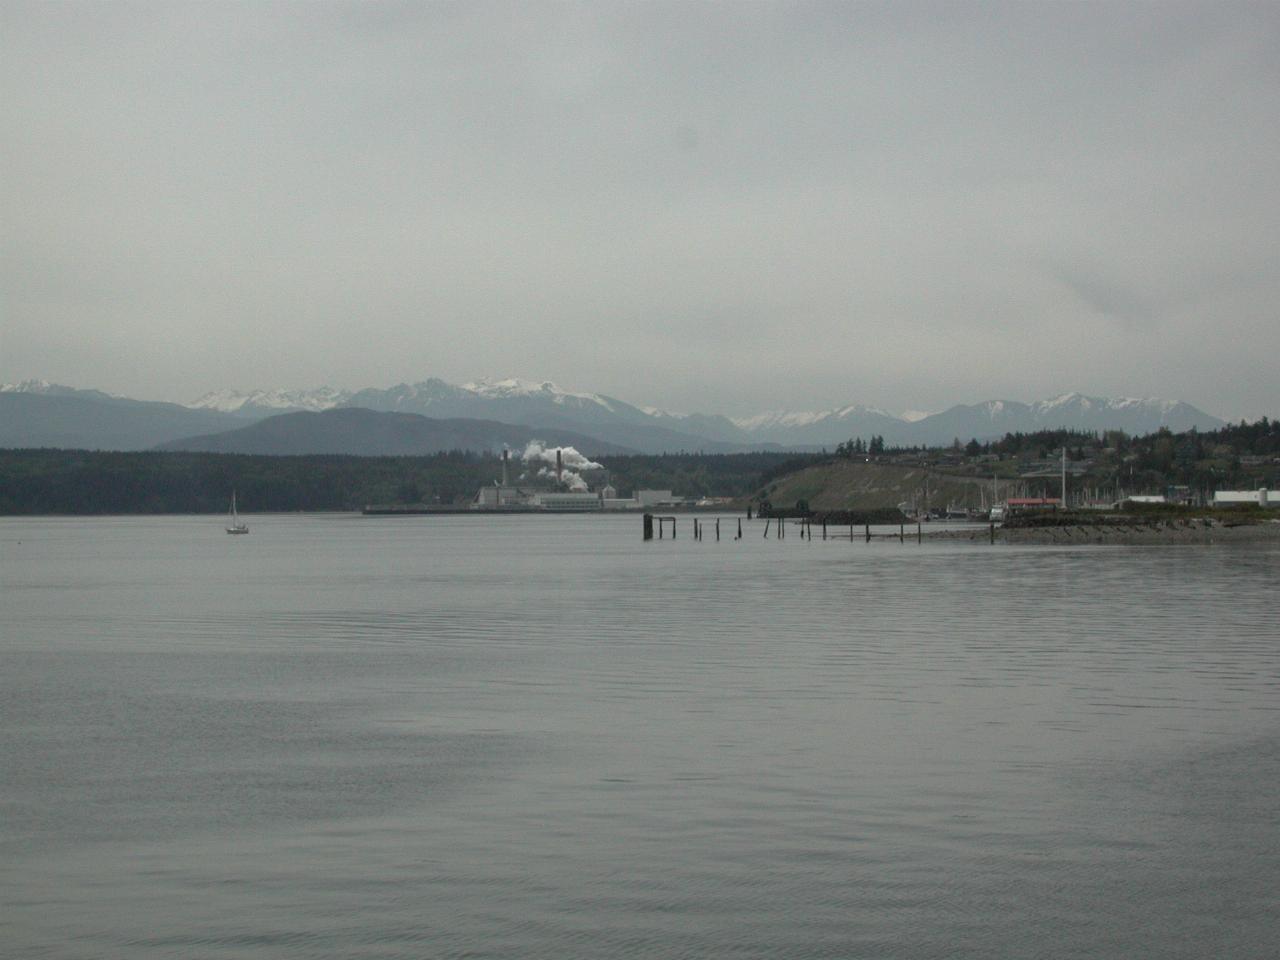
234 523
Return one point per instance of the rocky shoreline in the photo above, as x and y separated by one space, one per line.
1136 531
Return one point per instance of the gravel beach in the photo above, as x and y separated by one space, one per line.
1198 530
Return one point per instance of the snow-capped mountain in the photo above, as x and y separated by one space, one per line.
820 428
781 419
36 413
401 397
260 403
513 401
44 388
542 404
1072 411
529 389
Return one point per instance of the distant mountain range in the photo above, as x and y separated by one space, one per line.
90 420
519 402
36 413
360 432
545 404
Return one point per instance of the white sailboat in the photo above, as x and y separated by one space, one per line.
234 523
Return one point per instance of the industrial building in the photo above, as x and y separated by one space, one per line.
528 496
1259 497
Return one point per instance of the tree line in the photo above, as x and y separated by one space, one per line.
154 482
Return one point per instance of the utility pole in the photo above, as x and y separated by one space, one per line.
1064 478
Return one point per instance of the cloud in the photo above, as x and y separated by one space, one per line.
694 206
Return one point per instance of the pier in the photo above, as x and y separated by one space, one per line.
777 526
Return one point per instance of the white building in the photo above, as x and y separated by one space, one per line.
653 498
497 496
1226 498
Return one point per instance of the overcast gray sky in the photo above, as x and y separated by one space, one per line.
723 207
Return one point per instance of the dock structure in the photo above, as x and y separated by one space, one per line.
778 527
649 518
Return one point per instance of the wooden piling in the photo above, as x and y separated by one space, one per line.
648 526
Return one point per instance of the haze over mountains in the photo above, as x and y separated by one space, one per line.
361 432
36 413
70 419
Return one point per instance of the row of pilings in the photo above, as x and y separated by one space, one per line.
779 527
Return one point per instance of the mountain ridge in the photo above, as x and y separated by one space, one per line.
92 420
546 406
361 432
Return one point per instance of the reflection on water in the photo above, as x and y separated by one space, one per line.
540 737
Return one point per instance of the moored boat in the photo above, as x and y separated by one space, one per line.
234 523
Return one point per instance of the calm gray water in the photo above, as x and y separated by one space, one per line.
345 737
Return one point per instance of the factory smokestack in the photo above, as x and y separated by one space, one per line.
559 465
505 454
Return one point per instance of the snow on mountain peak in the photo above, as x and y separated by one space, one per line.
804 418
1072 399
771 418
232 401
38 386
1153 403
26 386
45 388
513 387
1082 402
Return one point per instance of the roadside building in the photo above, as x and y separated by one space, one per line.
1259 497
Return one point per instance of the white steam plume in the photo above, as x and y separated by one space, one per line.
572 463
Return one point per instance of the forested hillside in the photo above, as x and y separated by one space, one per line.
86 482
81 482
